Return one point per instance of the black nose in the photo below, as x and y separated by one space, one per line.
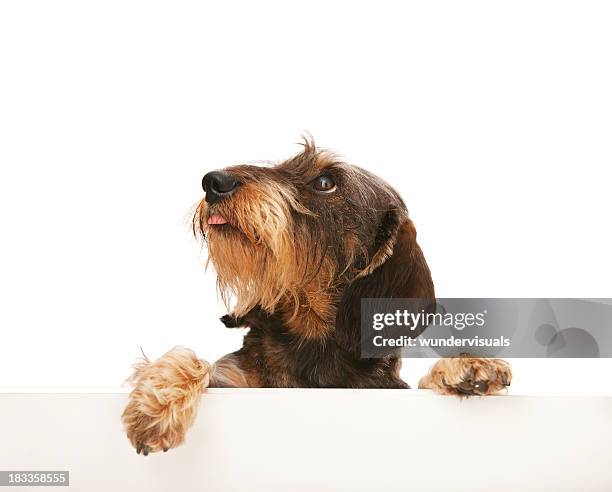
218 184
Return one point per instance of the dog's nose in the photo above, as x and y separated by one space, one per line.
218 184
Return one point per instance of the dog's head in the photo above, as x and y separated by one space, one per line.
298 234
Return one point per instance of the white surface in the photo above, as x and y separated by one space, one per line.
323 440
492 119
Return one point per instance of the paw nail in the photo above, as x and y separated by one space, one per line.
481 386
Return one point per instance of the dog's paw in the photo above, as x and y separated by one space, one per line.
468 376
165 400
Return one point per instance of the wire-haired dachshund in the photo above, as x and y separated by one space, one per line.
296 247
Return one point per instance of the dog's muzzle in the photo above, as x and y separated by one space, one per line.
218 185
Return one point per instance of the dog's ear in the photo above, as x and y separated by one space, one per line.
397 269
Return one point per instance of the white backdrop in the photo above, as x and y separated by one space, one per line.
492 119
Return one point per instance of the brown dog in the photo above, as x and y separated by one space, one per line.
298 245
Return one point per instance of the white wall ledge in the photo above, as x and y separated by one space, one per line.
317 440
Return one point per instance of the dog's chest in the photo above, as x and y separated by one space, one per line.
282 360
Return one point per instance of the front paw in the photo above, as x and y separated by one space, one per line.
468 376
165 400
149 433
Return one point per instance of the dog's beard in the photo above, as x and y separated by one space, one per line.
258 258
246 271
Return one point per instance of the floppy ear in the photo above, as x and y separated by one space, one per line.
396 270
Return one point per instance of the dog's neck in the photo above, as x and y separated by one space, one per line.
310 311
313 315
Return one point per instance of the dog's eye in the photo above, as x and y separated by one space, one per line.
324 183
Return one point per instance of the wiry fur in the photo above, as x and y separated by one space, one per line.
296 262
466 376
165 399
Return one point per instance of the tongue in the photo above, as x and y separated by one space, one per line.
216 220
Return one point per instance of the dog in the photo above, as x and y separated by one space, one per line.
297 246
